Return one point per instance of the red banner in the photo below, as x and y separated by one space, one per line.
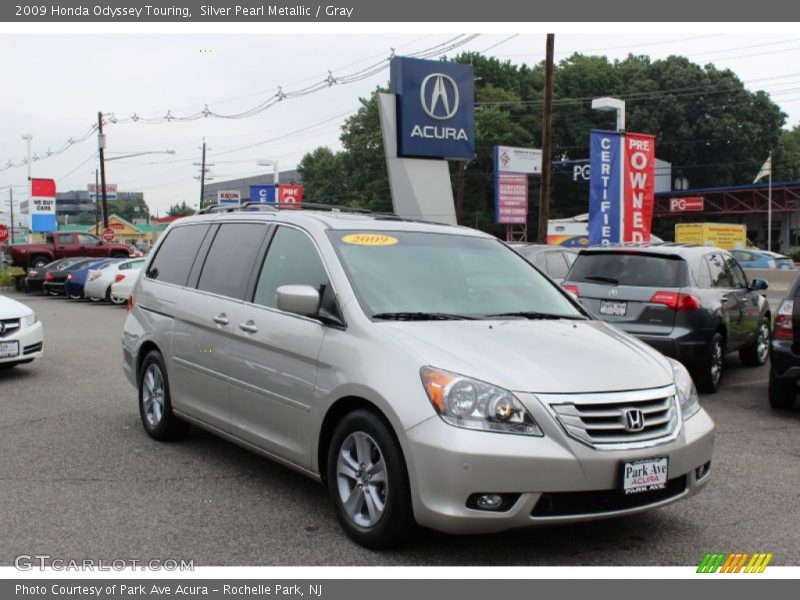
290 194
639 181
43 188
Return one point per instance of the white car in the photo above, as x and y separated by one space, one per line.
21 334
98 283
123 284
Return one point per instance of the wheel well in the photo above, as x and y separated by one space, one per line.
144 350
335 413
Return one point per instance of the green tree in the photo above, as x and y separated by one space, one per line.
180 210
786 159
323 175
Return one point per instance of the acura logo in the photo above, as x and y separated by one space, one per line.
634 420
438 95
613 292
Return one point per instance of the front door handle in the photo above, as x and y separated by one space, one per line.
249 327
221 319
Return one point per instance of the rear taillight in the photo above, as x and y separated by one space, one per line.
130 303
783 321
572 289
676 301
119 278
69 276
48 277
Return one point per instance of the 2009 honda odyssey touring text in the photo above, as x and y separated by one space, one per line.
423 372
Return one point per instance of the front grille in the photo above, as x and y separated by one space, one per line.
603 420
32 348
9 326
563 504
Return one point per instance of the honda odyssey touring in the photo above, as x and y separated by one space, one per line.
423 373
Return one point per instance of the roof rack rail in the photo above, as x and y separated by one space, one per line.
252 204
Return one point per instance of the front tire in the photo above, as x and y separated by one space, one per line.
757 353
368 481
155 403
708 373
782 393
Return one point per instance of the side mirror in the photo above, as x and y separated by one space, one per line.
758 285
299 299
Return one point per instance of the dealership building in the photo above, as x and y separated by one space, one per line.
242 186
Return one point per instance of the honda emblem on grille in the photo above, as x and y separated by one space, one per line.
634 420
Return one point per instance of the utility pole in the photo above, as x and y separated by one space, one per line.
203 172
544 197
11 200
96 203
101 146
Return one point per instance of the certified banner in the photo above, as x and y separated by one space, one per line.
605 187
640 158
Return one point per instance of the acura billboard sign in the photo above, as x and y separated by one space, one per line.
435 108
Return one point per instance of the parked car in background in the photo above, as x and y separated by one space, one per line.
34 279
693 303
123 284
784 372
422 372
761 259
21 334
99 281
55 280
76 279
553 260
62 245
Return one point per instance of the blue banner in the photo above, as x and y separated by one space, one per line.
262 193
435 108
605 187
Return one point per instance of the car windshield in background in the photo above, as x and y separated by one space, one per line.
414 275
621 268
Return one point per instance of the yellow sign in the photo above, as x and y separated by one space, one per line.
727 236
369 239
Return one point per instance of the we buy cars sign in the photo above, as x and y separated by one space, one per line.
43 205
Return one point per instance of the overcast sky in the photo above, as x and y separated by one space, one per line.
53 86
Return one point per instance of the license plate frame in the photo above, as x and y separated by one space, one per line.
9 349
613 308
644 475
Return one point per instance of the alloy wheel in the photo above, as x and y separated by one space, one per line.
362 479
153 395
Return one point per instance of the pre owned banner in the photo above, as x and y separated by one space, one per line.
605 187
640 160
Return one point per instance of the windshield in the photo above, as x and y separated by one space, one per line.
444 276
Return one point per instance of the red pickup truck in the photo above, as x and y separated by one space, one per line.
63 245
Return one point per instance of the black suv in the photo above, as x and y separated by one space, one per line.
784 371
692 303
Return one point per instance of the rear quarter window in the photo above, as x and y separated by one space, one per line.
620 268
176 254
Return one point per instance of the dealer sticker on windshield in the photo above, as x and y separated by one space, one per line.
644 475
369 239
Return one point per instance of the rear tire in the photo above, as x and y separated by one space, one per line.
119 255
366 467
112 299
37 262
707 374
155 402
782 394
756 353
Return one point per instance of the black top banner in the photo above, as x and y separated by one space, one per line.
465 11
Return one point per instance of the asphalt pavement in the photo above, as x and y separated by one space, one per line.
79 479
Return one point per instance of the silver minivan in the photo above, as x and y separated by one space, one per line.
424 373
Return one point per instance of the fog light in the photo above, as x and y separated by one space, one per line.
702 471
492 502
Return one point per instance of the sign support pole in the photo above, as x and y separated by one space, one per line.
544 197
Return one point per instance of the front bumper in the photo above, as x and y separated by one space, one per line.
31 343
558 479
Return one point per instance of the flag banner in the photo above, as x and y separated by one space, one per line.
605 187
638 199
766 169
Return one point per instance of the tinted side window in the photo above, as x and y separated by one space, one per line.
231 259
292 259
176 254
719 274
737 275
84 238
64 238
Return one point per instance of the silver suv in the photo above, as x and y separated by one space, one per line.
422 372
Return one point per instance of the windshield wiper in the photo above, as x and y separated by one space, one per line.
602 279
533 316
420 316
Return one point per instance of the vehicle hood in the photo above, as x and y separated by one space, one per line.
10 309
562 356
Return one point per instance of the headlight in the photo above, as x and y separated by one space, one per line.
472 404
31 319
687 394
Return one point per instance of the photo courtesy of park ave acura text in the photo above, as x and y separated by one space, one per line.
395 297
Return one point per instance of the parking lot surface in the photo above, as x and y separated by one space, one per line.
79 478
